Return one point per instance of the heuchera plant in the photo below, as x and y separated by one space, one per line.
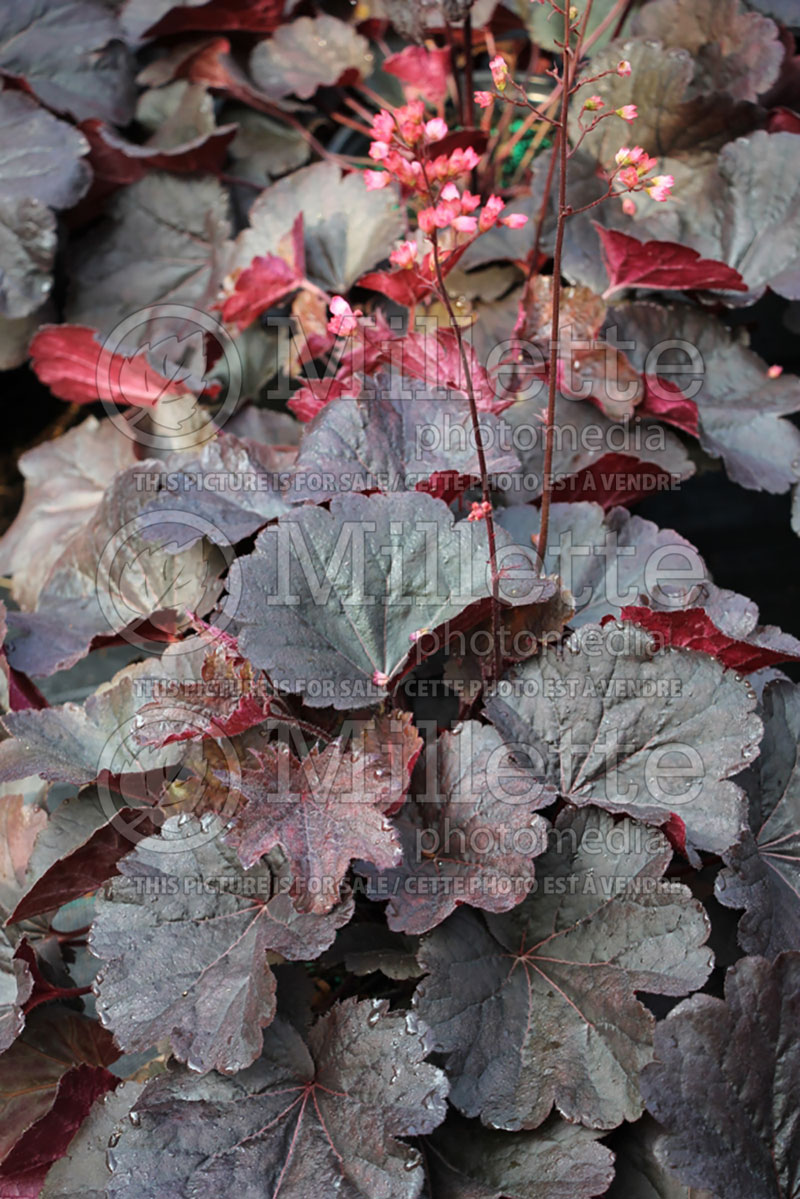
375 783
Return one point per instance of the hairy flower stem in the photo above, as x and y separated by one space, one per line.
549 437
496 661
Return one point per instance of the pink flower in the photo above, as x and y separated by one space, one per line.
344 319
405 255
593 103
380 679
450 192
480 511
629 206
483 99
469 202
379 151
383 126
499 68
465 224
376 180
491 211
425 220
623 156
629 176
463 160
775 372
436 129
624 68
660 186
628 112
514 220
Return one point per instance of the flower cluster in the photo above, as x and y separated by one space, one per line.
634 165
402 141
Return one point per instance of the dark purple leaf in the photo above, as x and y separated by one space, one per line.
763 873
735 51
307 1121
468 837
71 56
724 1083
327 808
397 440
55 1042
556 1161
609 720
184 933
333 601
740 408
537 1007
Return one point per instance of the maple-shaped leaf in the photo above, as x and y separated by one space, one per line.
65 478
16 984
160 242
71 55
662 266
537 1007
724 1083
609 720
55 1044
184 936
346 236
308 53
740 408
111 576
735 50
695 629
556 1161
468 837
763 871
315 1116
397 440
330 599
327 808
54 172
72 361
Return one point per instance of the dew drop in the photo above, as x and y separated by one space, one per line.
413 1160
113 1139
135 1119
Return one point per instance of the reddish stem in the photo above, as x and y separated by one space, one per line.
549 441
